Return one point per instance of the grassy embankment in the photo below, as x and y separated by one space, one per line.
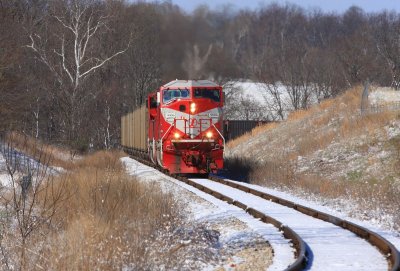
55 156
329 151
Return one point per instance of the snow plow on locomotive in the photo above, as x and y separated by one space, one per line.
180 127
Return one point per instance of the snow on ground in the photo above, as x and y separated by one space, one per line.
384 95
392 236
4 177
24 164
266 96
5 180
393 130
360 254
211 211
371 157
364 159
366 156
330 247
260 91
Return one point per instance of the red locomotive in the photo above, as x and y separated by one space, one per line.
184 127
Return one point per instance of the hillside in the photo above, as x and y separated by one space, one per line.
333 153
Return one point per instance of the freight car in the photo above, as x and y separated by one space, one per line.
236 128
180 127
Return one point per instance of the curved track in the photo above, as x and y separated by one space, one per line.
298 243
384 246
288 233
303 261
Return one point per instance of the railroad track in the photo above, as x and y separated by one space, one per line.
384 246
300 246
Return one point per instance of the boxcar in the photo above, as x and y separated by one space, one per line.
134 129
236 128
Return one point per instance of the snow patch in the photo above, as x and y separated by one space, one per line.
271 98
5 180
332 247
393 130
384 95
213 210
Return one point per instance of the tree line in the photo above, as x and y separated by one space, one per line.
70 68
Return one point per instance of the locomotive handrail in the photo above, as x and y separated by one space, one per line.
199 124
223 138
161 147
162 138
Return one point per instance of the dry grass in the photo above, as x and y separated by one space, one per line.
318 115
312 143
376 199
299 115
276 173
365 125
106 221
325 104
305 132
58 157
315 128
108 217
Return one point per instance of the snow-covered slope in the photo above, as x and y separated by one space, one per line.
264 101
384 96
334 154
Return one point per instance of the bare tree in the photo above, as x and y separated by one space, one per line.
276 104
31 199
142 61
238 106
58 58
283 56
73 55
387 41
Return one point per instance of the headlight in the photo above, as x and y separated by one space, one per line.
177 135
192 107
209 134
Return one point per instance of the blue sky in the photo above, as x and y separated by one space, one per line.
325 5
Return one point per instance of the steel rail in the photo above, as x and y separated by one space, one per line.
298 243
384 246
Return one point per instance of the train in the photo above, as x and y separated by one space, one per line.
180 127
236 128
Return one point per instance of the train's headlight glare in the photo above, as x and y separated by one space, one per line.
209 134
177 135
192 107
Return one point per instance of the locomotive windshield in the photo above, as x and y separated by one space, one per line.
172 94
213 94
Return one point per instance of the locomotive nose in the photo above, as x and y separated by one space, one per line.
194 159
192 107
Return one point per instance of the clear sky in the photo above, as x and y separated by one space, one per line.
338 6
